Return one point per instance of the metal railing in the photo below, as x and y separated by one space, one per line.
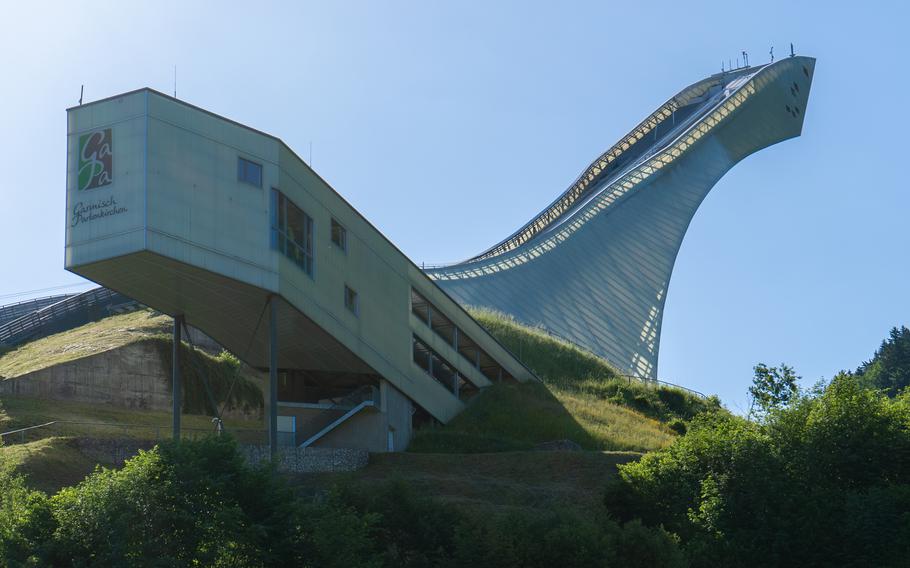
10 312
117 431
366 393
72 311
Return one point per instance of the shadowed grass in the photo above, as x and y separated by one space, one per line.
490 483
50 463
510 417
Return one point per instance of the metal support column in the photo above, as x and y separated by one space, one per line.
176 388
273 375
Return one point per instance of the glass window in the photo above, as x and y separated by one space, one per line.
249 172
351 301
339 235
292 231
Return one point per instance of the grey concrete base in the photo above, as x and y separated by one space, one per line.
133 376
309 460
292 460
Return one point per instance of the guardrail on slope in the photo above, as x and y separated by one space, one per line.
16 310
105 430
70 312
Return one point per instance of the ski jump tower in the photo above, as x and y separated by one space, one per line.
595 265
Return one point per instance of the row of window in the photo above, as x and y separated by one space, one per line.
454 336
441 370
292 234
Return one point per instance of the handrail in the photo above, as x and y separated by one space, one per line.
26 429
362 394
10 312
159 429
583 185
24 327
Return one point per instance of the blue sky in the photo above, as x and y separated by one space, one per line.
450 124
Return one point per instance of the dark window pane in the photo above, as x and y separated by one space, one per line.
250 172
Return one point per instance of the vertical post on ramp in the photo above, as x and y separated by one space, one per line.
273 376
175 377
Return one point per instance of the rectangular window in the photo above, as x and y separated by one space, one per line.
249 172
292 231
339 235
351 301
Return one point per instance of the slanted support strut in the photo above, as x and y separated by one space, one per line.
273 375
176 387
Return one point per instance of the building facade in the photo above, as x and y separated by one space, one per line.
226 229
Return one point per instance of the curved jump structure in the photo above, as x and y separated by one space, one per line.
595 265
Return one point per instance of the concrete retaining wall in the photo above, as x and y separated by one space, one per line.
293 460
310 460
132 376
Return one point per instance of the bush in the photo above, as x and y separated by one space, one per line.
209 382
835 466
25 520
193 503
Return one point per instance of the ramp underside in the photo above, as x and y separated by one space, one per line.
233 313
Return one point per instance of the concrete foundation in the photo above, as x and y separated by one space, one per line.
133 376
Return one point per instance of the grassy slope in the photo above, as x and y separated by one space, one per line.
494 482
83 341
54 462
49 464
223 374
582 399
516 417
18 413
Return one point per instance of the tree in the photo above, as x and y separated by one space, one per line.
822 481
889 368
772 388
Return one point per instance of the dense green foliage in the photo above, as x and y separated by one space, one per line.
824 481
889 368
199 504
212 382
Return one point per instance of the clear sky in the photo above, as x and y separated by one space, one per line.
448 125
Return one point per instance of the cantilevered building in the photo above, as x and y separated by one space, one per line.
595 265
226 229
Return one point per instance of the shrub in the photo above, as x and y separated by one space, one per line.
835 466
177 505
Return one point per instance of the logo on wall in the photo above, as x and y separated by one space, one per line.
96 164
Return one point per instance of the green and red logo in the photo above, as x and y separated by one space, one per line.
96 164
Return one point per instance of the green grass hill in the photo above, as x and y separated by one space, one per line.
580 398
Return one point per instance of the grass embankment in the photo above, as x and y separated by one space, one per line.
492 482
96 337
223 374
582 399
50 456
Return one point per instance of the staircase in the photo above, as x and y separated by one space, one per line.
340 412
